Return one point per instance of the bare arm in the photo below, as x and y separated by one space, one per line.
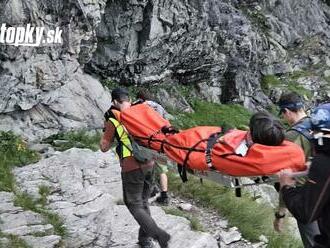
108 136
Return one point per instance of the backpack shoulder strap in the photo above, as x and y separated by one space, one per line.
304 127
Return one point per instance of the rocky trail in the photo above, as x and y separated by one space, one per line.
84 190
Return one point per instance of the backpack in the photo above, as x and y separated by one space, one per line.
304 128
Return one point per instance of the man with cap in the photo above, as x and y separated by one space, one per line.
136 177
292 110
311 201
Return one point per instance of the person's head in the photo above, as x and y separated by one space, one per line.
266 130
144 94
120 98
291 107
320 119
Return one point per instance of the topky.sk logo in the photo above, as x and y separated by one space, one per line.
29 36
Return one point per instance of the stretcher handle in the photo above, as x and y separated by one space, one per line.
298 173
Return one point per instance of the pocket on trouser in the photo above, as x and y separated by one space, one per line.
149 175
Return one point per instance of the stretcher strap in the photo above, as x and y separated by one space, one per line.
182 172
163 142
150 139
182 169
165 130
211 141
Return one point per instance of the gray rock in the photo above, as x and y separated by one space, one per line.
44 89
29 230
51 241
327 73
85 195
232 235
186 207
263 239
14 220
220 47
40 148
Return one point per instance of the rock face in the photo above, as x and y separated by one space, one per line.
222 48
86 193
208 43
43 89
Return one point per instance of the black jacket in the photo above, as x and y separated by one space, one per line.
312 200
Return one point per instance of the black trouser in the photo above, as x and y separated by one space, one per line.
136 192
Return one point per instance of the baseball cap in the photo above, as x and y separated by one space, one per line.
289 105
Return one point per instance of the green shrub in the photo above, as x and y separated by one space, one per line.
14 151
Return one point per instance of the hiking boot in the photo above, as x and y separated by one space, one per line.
163 200
146 243
164 240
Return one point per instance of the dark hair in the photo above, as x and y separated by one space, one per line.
120 94
144 94
291 101
266 130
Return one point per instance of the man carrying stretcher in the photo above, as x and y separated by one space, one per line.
136 177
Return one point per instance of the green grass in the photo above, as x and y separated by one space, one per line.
37 205
14 242
212 114
13 152
44 192
252 218
293 86
194 222
269 81
56 221
79 139
287 82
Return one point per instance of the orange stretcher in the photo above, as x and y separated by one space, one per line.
146 126
222 157
205 148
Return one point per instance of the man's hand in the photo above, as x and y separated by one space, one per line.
285 178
